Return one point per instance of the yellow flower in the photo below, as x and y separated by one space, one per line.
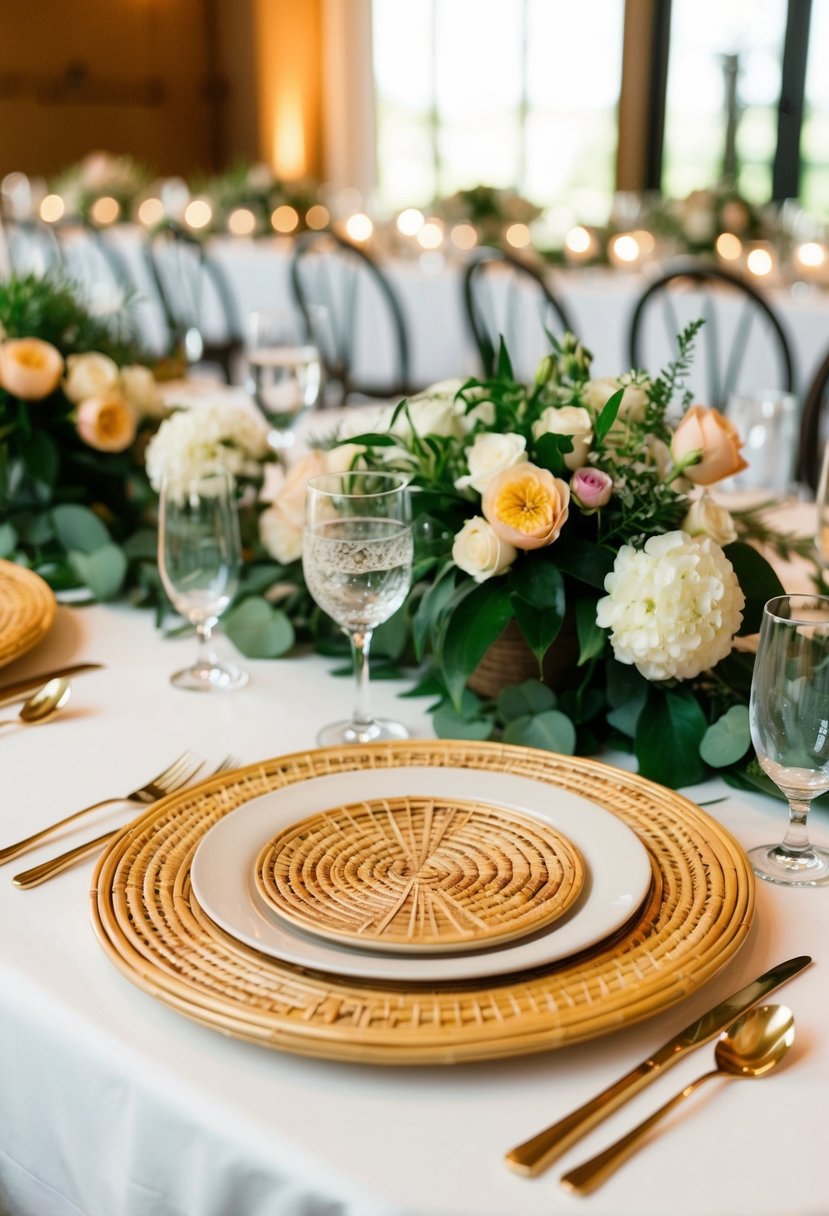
30 368
526 506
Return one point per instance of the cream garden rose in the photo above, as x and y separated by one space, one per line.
707 518
490 454
209 433
527 506
480 552
106 423
707 433
280 536
570 420
598 392
30 368
140 388
89 375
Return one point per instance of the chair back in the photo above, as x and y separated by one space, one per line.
742 346
814 427
505 297
364 340
31 247
92 261
196 299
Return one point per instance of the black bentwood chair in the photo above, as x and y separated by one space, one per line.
814 426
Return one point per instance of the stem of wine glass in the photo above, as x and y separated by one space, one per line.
360 646
206 656
796 839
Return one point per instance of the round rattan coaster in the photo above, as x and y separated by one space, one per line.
148 921
27 610
413 873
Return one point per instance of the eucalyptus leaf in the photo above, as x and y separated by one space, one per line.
551 731
465 722
259 630
668 734
79 529
521 700
8 540
728 739
102 571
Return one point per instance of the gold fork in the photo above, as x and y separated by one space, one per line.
176 774
48 869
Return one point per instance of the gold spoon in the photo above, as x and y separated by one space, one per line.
42 704
751 1047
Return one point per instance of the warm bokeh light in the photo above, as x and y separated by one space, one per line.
285 218
410 221
198 213
464 236
151 212
430 235
359 227
52 208
645 240
578 240
810 254
317 217
241 222
729 247
518 235
625 247
105 210
759 262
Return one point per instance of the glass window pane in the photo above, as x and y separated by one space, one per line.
814 141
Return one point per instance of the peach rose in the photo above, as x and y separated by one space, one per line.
30 368
106 423
706 431
526 506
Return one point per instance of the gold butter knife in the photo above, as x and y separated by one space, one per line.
535 1154
15 690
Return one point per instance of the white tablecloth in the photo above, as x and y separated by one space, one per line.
115 1105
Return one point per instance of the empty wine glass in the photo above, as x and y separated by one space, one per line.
357 560
284 371
199 553
790 728
822 527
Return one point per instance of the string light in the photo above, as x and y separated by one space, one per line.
760 262
241 222
105 210
198 213
410 221
430 235
578 240
810 254
518 235
52 208
625 248
359 227
285 218
317 217
728 246
151 212
464 236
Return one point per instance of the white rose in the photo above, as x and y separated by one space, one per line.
597 393
707 518
479 552
432 412
280 536
568 420
490 454
191 440
89 375
672 607
139 386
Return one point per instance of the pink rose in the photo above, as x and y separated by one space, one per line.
591 488
717 441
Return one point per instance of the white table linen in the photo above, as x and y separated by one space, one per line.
115 1105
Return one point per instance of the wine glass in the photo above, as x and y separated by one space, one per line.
822 528
790 729
357 560
199 553
284 371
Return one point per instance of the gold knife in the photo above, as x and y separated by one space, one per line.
15 690
535 1154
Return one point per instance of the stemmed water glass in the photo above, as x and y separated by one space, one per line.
284 371
822 529
357 561
790 729
199 554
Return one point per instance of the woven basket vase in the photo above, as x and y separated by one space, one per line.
509 660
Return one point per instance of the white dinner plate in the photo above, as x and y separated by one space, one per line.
617 881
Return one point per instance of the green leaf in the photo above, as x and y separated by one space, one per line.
372 439
503 369
142 545
540 627
728 739
523 700
467 722
538 582
668 734
551 731
591 638
39 453
583 560
8 540
391 637
607 416
79 528
549 452
259 630
758 581
102 571
477 621
434 600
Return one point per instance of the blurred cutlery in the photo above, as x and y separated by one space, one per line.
42 704
15 690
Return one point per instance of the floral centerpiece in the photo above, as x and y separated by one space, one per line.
575 512
102 175
488 209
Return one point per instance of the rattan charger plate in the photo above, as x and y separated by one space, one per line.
419 874
698 914
27 610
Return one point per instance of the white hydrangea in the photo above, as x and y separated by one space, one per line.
673 607
207 434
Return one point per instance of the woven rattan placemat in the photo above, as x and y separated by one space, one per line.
419 873
149 923
27 610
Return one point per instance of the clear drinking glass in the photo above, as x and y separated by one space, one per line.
767 423
357 560
822 526
790 729
199 554
284 371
